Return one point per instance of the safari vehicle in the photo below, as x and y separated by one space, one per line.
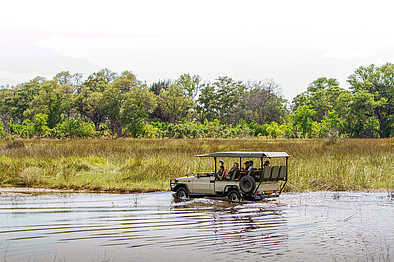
257 184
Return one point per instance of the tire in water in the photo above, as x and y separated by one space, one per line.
182 193
233 196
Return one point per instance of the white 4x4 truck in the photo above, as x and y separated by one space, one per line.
252 184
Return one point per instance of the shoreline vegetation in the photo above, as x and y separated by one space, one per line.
130 165
108 104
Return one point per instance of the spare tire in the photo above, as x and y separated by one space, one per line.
247 184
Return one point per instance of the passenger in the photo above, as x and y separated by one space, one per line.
246 166
244 170
266 163
250 167
232 173
219 175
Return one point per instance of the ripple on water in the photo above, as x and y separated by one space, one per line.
344 226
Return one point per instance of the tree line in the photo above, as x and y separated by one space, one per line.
111 104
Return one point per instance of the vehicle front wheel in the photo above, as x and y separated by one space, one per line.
182 193
233 196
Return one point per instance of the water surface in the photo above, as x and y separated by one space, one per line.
153 227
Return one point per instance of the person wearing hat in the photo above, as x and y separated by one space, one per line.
246 166
250 167
244 170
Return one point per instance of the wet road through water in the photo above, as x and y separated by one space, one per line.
153 227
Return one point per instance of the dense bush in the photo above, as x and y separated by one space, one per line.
74 127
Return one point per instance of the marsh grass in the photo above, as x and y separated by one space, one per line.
141 165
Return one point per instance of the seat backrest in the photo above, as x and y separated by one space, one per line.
275 172
235 174
282 172
267 172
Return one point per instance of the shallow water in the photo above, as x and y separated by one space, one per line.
152 227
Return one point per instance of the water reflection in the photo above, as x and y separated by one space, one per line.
234 229
151 227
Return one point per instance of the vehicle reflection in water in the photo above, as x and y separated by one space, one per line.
154 227
233 230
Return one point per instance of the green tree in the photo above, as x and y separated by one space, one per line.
221 100
379 82
90 100
175 105
51 100
302 121
139 103
22 97
229 93
6 101
114 97
207 100
262 103
361 118
322 96
191 84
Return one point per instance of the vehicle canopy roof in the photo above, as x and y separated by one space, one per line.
247 154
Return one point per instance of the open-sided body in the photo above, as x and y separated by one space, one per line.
254 184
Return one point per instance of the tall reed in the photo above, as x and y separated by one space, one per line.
147 164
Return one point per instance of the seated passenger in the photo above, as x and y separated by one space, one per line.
246 166
244 170
266 163
220 174
250 167
232 173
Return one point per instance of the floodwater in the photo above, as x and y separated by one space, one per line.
153 227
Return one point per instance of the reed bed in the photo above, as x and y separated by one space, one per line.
143 165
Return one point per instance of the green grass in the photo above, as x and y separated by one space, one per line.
141 165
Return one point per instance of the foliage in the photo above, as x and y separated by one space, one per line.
301 120
122 105
74 127
262 103
175 104
40 125
25 129
378 82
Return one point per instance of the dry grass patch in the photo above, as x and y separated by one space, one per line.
147 164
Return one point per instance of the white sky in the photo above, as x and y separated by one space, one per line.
292 42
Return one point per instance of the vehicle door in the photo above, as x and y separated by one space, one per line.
204 185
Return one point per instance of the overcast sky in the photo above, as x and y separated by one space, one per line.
292 42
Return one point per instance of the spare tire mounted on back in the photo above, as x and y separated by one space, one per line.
247 184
